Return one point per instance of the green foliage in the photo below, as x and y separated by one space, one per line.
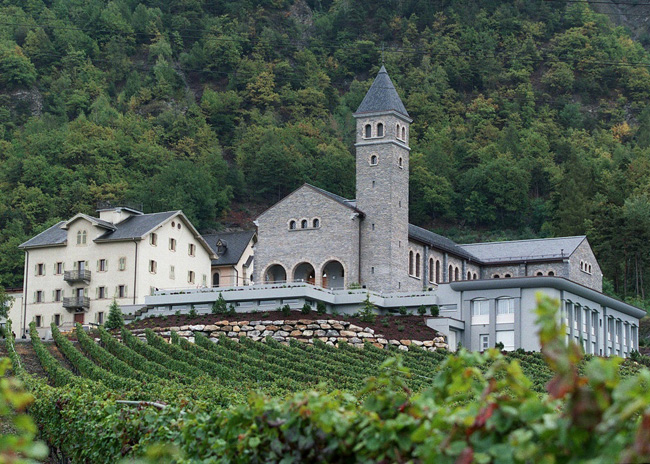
422 310
192 314
306 309
434 310
219 306
286 310
368 310
321 308
5 303
115 319
402 310
231 309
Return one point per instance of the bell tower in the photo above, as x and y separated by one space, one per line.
382 161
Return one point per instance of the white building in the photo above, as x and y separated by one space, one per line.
76 268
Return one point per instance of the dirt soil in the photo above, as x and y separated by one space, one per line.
54 351
392 327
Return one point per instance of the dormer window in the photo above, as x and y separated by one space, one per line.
374 160
221 247
368 131
81 237
380 130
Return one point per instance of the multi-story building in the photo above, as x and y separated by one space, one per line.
234 263
75 269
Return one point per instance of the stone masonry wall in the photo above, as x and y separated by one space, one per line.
330 331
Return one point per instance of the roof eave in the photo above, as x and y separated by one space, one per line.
22 246
367 114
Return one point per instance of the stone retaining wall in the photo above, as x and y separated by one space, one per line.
329 331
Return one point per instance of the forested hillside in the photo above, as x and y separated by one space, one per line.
530 117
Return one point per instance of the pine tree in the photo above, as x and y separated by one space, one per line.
115 319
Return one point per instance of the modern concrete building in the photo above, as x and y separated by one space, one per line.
76 268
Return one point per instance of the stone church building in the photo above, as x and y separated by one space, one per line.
321 238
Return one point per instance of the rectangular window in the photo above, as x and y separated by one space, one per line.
122 263
38 320
153 266
58 268
485 342
38 297
594 324
505 310
153 239
121 291
172 244
100 317
190 277
58 295
101 293
585 319
191 249
101 265
480 312
205 280
172 272
507 337
57 320
152 290
40 269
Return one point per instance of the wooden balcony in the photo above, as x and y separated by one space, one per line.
76 303
77 276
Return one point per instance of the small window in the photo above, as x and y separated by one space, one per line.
397 132
173 224
101 293
292 225
172 272
38 321
411 263
368 132
153 266
551 273
100 317
374 160
172 244
450 273
417 265
582 265
485 342
153 239
40 269
101 265
81 237
121 291
400 163
38 297
122 263
178 226
204 280
372 270
539 274
303 224
58 268
316 223
404 133
457 274
496 276
191 249
57 320
469 275
58 294
190 277
373 226
475 276
373 183
507 276
380 130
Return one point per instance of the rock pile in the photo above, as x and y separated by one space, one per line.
329 331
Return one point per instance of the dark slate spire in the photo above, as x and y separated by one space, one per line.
382 96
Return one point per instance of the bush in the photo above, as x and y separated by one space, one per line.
422 310
367 313
321 308
231 310
434 311
403 311
286 310
192 312
219 306
306 309
115 319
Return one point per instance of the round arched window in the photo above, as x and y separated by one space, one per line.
292 225
380 130
374 160
316 223
400 162
551 273
368 132
303 224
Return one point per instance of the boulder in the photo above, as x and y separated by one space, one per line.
369 330
323 339
364 335
338 326
405 342
325 326
266 333
320 333
348 333
176 329
183 327
355 328
282 333
247 328
222 323
378 345
394 342
417 342
210 328
286 327
383 341
403 348
428 343
313 326
232 334
236 328
278 322
296 333
332 333
255 322
307 333
356 341
254 333
260 327
241 323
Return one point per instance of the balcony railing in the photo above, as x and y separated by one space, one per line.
76 276
76 302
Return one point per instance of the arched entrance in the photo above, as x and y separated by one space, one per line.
304 272
333 275
275 273
215 279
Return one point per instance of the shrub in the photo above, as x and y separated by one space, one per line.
231 310
219 306
367 313
354 286
400 327
422 310
115 319
306 309
286 310
265 314
403 311
192 312
321 308
434 311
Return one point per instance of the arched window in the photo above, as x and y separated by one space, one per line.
400 162
292 225
431 270
539 274
469 275
398 131
417 265
450 273
507 276
505 310
590 269
475 276
316 223
582 265
380 130
215 279
411 262
480 311
437 271
368 131
79 238
404 133
551 273
374 160
496 276
303 224
457 274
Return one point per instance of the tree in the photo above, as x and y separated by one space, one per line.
5 303
16 70
115 319
220 306
367 313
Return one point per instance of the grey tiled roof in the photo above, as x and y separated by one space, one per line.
136 226
49 237
523 250
236 243
382 96
438 241
339 199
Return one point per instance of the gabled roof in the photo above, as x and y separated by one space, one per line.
235 245
93 220
54 236
135 227
525 250
438 241
344 201
382 96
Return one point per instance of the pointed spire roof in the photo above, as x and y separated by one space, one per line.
382 96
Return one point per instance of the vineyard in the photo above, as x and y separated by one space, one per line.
112 397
